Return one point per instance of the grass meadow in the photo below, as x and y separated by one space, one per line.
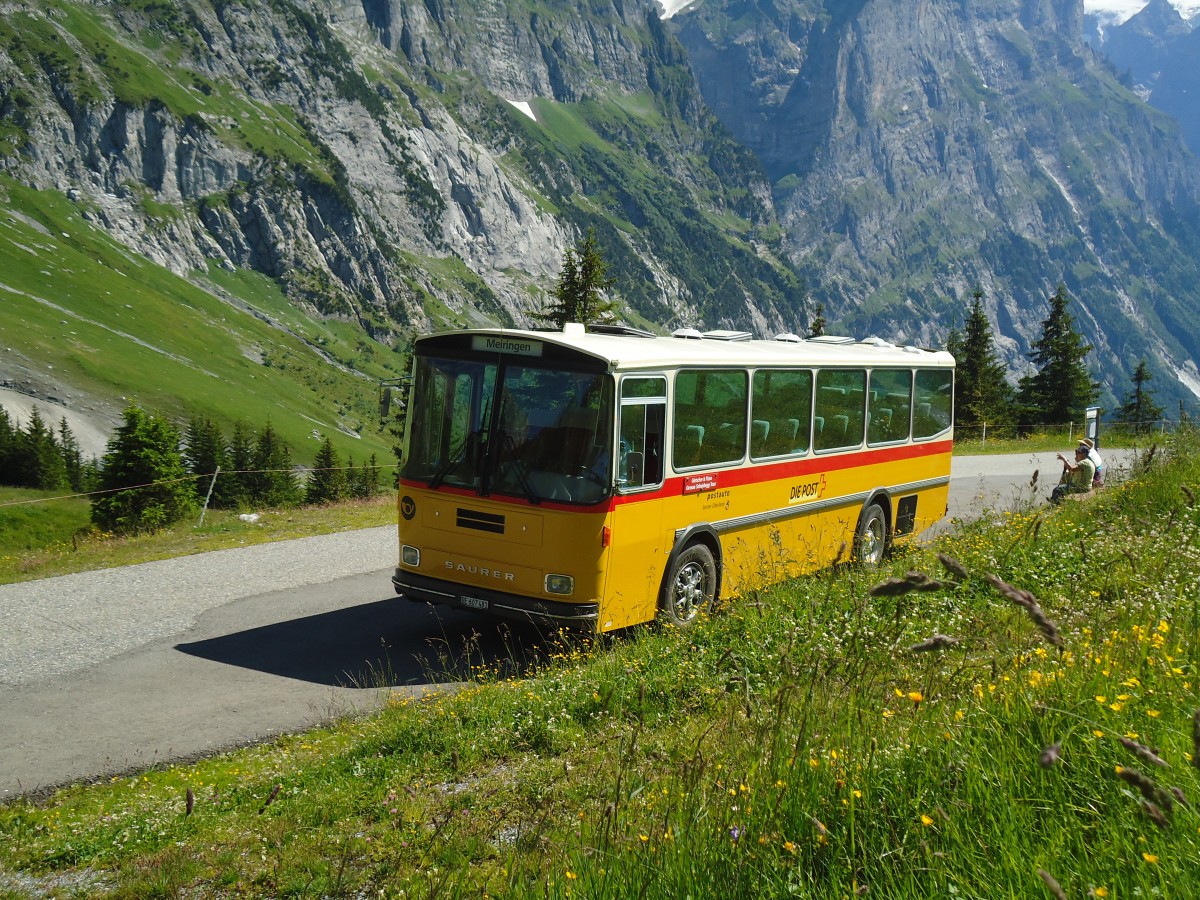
42 535
1009 712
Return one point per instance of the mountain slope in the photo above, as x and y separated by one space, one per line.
91 326
362 155
1158 52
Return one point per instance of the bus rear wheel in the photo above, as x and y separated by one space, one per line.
870 541
691 587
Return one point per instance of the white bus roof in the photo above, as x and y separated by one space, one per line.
632 352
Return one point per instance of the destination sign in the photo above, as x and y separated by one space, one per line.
514 346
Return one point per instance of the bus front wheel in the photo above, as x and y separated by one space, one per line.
870 541
691 588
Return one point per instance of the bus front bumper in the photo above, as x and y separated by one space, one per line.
423 589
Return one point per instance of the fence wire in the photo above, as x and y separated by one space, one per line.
197 477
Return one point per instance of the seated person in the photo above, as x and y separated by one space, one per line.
1094 456
1076 476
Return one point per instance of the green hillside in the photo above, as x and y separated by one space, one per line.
119 329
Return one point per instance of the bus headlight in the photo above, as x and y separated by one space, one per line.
410 556
560 584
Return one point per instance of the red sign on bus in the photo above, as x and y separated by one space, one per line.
696 484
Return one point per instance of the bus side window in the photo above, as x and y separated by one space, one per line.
933 410
712 405
642 432
781 406
841 401
887 418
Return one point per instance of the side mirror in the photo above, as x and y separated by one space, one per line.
385 403
635 469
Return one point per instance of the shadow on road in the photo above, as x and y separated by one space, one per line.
387 643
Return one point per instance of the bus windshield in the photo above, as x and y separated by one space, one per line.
511 428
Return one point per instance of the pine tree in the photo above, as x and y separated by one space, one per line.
239 488
816 327
72 456
582 281
39 464
1140 412
205 452
273 482
982 395
372 483
145 484
327 480
8 448
354 479
1061 389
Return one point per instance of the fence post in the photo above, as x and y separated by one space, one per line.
983 439
1070 433
212 484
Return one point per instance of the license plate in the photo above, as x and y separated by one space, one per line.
473 602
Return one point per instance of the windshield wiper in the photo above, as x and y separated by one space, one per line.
518 464
471 440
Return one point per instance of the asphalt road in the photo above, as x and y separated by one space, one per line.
107 672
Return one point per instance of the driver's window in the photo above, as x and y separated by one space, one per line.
643 424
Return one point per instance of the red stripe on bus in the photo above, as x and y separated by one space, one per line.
761 473
757 473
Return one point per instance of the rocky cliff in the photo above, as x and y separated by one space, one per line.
919 149
1157 53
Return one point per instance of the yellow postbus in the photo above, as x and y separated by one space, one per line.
604 477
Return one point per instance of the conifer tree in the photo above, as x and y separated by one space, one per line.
582 281
8 448
274 483
146 486
982 395
1061 388
327 480
816 327
39 464
206 452
372 483
1139 411
239 488
72 457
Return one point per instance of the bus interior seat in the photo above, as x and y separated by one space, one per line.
688 442
577 433
837 429
760 432
879 426
791 433
731 438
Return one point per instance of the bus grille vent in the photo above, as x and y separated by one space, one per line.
480 521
